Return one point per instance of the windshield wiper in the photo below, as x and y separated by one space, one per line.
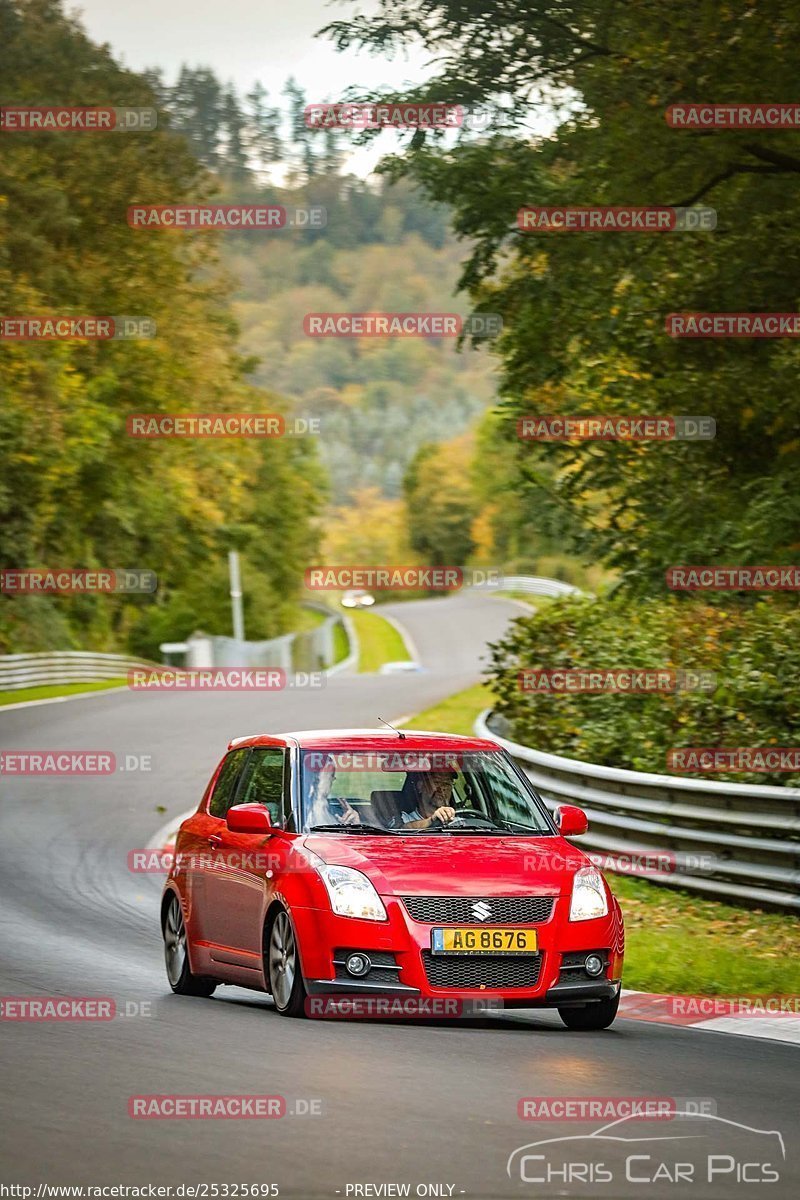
511 826
349 829
474 830
480 830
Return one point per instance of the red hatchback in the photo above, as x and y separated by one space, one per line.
409 865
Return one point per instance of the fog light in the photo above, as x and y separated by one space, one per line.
593 964
358 965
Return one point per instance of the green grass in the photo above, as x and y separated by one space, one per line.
676 942
379 642
341 645
526 598
47 691
456 714
307 618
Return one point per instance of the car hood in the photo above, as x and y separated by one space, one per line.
455 865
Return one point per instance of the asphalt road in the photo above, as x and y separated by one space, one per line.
423 1104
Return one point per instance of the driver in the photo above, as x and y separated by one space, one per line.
434 793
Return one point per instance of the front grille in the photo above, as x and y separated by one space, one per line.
503 910
444 971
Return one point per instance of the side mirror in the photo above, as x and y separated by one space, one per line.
571 820
248 818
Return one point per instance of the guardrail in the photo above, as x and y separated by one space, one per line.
733 840
60 667
311 649
532 585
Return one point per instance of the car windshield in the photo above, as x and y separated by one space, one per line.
420 792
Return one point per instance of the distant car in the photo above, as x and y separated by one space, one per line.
398 668
373 862
357 598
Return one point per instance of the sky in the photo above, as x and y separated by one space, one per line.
248 40
244 40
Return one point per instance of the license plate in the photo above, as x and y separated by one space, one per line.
483 941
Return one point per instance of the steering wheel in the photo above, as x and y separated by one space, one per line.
473 812
458 820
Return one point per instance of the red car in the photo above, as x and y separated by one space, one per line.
377 863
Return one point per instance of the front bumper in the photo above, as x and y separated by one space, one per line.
324 939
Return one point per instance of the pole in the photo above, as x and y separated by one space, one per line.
236 595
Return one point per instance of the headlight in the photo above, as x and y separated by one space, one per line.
351 894
588 895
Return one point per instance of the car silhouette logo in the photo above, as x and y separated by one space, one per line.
481 910
619 1133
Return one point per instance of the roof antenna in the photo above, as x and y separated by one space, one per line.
397 731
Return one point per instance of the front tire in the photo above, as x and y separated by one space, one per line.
283 967
176 956
591 1016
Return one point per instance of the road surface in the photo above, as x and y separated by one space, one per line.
420 1104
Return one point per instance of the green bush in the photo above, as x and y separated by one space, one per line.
754 651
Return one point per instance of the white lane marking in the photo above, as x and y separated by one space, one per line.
776 1029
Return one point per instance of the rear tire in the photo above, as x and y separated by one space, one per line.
176 956
284 977
591 1016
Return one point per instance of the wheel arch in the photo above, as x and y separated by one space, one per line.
276 905
170 891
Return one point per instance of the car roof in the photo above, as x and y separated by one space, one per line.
366 739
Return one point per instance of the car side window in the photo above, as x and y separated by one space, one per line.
264 781
225 787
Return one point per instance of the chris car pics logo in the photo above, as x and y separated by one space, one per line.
696 1147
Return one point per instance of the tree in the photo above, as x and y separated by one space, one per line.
77 491
263 122
301 134
370 531
197 104
584 313
441 504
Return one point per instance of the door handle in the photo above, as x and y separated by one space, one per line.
215 840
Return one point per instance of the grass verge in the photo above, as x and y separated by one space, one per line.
378 641
50 690
676 942
456 714
527 598
341 644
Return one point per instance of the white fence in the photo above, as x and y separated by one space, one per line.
532 585
733 840
307 650
62 666
311 650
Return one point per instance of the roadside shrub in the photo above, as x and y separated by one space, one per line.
754 651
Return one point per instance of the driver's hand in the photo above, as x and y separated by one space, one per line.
349 815
444 814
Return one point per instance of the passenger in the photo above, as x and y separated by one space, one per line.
323 808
